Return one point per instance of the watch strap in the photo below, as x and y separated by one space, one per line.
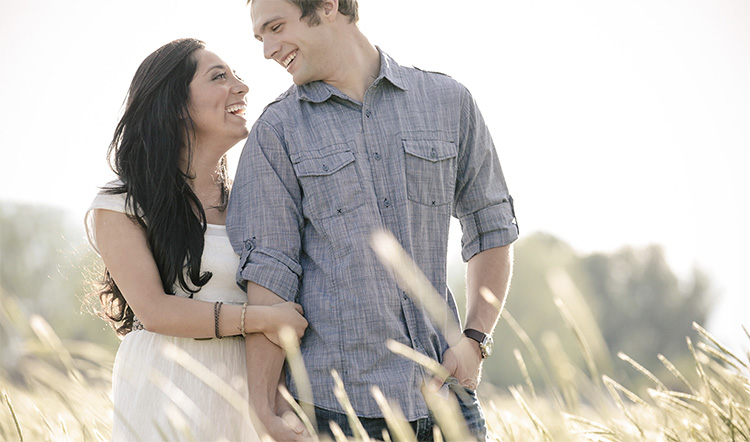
475 335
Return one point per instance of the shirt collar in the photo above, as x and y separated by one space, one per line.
319 91
391 71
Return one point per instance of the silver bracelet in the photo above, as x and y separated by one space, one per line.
242 320
217 311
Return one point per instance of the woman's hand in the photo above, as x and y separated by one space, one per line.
286 314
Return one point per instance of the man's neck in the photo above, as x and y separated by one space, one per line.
359 64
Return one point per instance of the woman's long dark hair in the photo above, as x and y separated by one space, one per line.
152 136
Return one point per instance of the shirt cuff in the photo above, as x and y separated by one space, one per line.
491 227
270 269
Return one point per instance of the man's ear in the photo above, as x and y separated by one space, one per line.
330 9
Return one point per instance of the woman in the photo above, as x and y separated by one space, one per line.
169 286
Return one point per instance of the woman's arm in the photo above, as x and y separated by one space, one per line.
124 249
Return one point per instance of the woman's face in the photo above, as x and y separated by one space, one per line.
217 103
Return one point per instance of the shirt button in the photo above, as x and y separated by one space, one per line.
386 203
404 295
433 154
325 167
368 113
376 156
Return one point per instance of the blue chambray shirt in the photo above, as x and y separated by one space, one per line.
320 173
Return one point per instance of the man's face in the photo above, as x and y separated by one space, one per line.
298 47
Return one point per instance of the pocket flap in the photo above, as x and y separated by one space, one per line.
323 165
431 150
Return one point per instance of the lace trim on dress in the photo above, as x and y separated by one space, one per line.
137 325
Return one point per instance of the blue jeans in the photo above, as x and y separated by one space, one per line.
467 399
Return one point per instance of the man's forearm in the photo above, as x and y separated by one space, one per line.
492 269
265 360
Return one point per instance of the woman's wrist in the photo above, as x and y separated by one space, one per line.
256 318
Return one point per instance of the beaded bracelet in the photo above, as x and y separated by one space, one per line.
242 320
217 311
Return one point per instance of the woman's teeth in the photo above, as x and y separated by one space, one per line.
237 109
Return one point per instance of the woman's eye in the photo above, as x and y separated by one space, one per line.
221 76
275 28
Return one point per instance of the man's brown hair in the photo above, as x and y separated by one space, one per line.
348 8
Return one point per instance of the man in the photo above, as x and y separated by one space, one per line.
358 144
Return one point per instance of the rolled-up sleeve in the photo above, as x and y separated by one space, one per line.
264 216
482 202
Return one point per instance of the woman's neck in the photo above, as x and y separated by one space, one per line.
204 178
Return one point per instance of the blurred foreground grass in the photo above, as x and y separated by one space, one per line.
60 391
55 390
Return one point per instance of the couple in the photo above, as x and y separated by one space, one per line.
358 144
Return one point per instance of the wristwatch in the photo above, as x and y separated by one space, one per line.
485 341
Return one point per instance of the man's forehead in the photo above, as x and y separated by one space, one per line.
263 10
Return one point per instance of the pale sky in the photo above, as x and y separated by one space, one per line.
617 122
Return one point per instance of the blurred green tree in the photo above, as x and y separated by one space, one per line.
626 301
643 308
46 265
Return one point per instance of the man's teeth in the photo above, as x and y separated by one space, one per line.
237 109
289 59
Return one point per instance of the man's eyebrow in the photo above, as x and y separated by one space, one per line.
265 26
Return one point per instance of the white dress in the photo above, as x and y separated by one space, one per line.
169 388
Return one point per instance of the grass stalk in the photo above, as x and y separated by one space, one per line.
298 411
641 369
588 355
594 429
532 350
9 404
705 392
417 286
400 429
718 344
298 372
613 387
447 415
431 365
524 371
538 424
354 423
675 372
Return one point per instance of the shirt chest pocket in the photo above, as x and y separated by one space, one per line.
330 181
430 171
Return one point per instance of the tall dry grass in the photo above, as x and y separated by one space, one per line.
59 391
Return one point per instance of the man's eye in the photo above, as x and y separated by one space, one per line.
275 28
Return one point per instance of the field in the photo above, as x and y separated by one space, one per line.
61 393
60 390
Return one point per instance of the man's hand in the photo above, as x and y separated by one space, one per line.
286 428
284 409
463 361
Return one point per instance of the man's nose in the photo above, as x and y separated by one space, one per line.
270 48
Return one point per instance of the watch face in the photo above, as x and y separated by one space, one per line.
485 341
487 347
